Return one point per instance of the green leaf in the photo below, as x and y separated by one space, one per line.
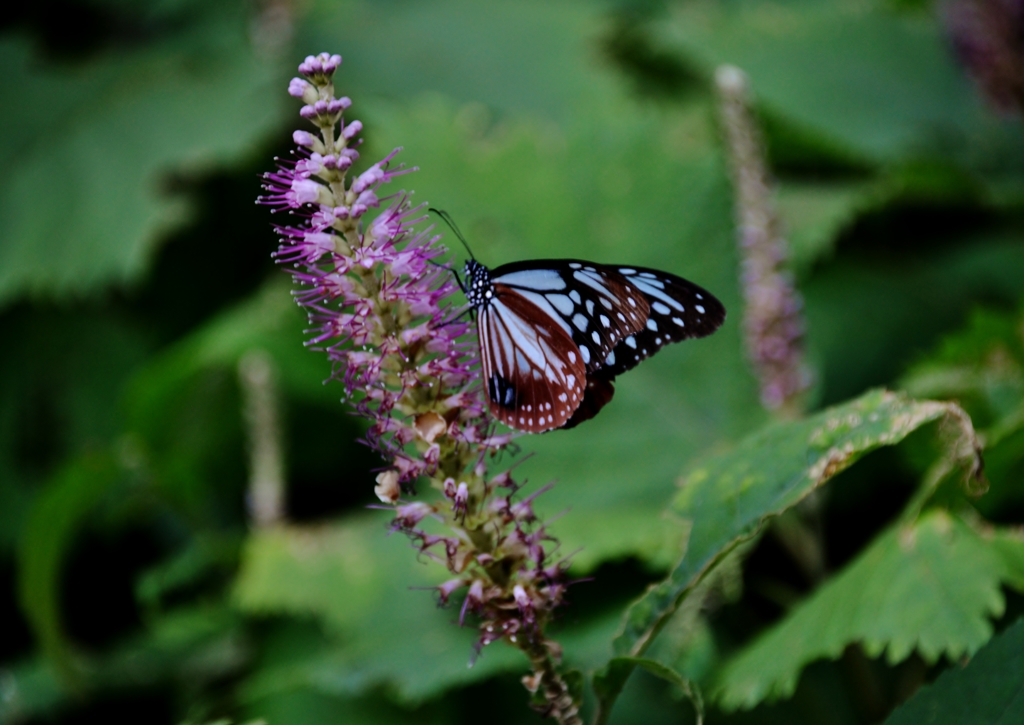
59 371
368 590
269 321
468 51
928 587
868 316
988 691
728 498
814 214
55 517
608 683
310 707
982 366
191 647
183 408
880 85
371 593
94 140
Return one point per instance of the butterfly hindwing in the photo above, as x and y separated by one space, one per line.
535 378
592 303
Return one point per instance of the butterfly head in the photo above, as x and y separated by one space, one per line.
478 283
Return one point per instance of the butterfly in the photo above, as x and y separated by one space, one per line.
554 333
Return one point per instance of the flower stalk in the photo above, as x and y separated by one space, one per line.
266 457
380 304
772 320
988 38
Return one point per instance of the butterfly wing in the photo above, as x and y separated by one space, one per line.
557 332
678 310
592 303
535 377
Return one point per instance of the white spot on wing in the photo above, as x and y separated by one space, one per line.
595 337
535 279
585 353
575 296
610 360
700 309
562 303
654 292
660 308
678 322
590 307
542 302
631 341
605 321
580 320
591 281
651 324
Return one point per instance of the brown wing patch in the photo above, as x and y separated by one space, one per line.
534 376
597 308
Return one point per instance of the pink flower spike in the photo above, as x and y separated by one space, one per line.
384 309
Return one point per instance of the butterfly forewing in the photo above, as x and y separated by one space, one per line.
591 303
678 310
535 378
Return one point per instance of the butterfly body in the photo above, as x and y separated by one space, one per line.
555 333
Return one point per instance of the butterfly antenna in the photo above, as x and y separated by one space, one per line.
451 225
454 272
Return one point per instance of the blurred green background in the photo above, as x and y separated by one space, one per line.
135 274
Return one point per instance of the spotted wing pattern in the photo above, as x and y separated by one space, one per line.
554 334
592 303
535 376
679 310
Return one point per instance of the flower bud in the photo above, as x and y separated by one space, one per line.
299 88
320 68
305 139
352 129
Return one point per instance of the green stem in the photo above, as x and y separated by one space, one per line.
560 705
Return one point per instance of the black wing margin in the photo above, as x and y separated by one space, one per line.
679 310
